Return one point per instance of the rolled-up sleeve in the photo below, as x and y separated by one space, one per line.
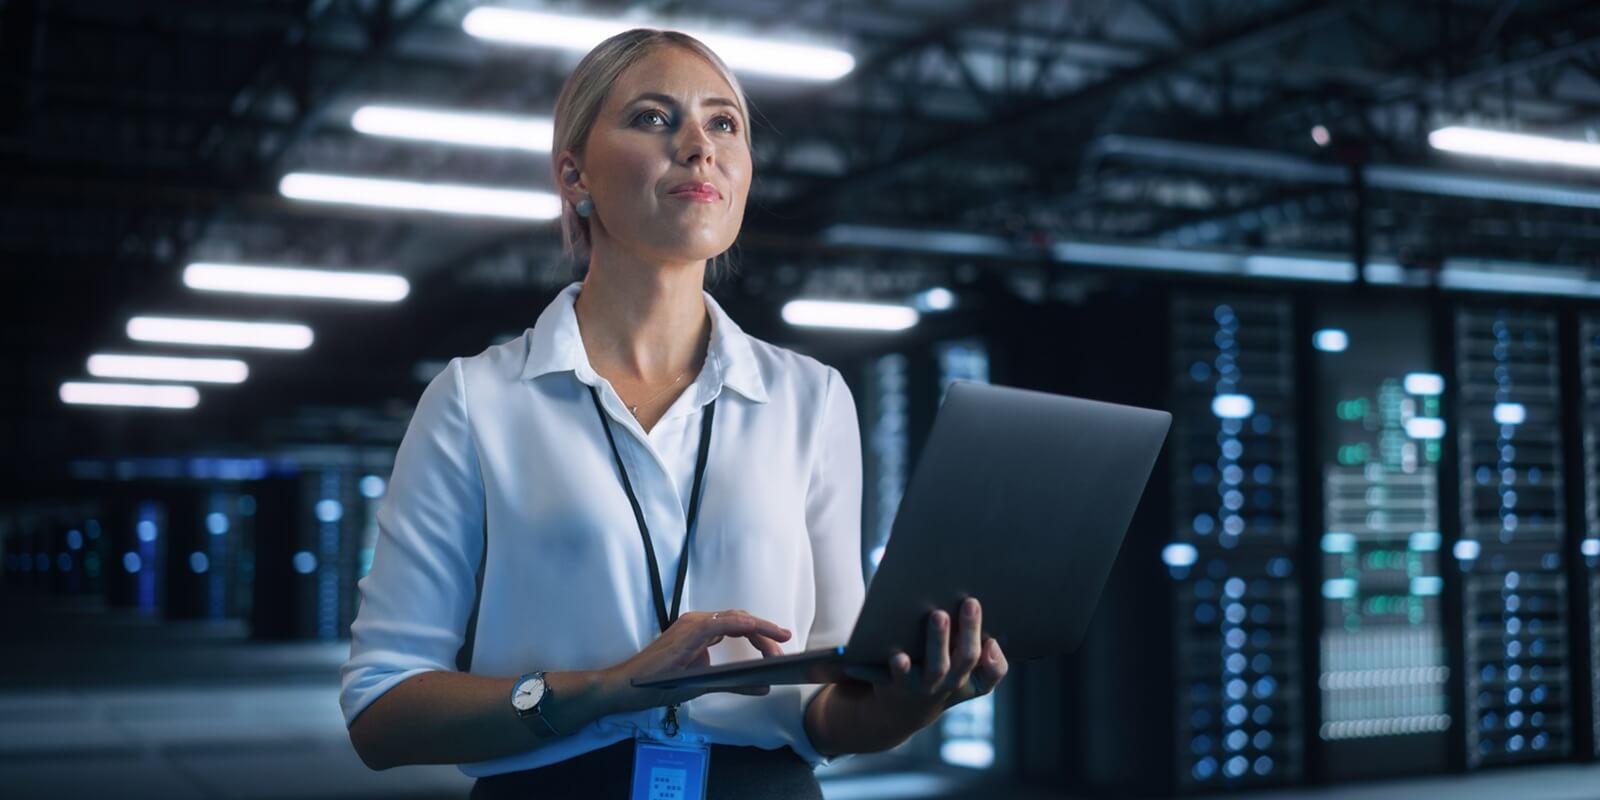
415 601
833 518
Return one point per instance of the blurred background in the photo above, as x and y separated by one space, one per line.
1350 245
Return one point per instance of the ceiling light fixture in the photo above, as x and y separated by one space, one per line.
471 128
370 287
129 394
220 333
438 198
580 34
165 368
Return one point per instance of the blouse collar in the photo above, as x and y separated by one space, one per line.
555 346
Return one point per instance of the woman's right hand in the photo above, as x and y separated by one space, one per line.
686 644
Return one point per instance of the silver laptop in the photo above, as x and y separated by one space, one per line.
1020 499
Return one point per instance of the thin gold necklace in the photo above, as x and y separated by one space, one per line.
635 408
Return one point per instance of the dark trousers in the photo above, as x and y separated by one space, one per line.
735 773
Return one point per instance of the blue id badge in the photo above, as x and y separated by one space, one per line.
669 770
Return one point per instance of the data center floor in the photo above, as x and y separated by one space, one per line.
98 704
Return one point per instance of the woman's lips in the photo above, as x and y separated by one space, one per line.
704 192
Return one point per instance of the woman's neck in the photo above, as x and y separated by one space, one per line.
643 322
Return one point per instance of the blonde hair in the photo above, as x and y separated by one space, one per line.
578 106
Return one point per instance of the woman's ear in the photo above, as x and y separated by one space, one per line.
571 177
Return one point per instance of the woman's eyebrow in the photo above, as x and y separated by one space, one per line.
670 100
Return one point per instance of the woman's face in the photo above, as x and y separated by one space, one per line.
670 119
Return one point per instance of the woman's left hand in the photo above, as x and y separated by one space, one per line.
955 669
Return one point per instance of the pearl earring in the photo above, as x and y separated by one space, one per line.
585 206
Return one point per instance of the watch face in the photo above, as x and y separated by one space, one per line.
528 694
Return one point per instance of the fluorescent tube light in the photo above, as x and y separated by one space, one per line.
1516 147
1466 550
161 368
1145 257
474 129
220 333
129 394
854 316
921 241
581 34
1472 274
1297 268
439 198
297 282
1285 167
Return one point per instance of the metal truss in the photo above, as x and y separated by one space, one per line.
134 136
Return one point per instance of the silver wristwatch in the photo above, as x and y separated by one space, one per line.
528 696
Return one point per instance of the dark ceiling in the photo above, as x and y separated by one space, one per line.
137 137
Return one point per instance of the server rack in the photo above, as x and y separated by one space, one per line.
1587 563
1381 654
1516 654
1235 529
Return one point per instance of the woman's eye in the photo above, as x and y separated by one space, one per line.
652 113
732 124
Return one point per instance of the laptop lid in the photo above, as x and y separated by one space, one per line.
1020 498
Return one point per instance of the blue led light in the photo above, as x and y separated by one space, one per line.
1236 766
305 562
1423 384
1330 340
373 487
147 530
199 563
130 562
1339 589
1232 406
74 539
1180 555
1338 542
329 510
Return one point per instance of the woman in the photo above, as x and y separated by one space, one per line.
578 471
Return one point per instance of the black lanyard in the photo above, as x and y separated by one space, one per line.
659 595
662 616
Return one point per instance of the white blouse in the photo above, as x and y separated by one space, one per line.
510 439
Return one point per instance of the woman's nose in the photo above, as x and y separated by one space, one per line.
695 143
